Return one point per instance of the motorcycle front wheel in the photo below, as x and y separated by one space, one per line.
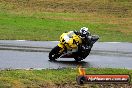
54 53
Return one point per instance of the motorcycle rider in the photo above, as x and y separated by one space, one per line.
86 45
85 36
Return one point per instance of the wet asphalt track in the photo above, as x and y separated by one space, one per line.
34 54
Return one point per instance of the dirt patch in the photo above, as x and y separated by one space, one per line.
104 6
74 85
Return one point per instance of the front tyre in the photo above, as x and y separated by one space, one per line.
54 53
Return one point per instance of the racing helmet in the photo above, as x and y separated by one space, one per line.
84 31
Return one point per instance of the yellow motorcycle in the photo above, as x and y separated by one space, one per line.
72 45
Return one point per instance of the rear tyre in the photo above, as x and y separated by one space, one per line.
54 53
77 59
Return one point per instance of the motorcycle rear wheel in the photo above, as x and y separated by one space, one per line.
77 59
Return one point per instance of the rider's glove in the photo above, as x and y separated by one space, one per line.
76 32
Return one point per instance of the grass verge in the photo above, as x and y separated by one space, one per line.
51 78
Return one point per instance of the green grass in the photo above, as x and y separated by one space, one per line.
14 26
49 78
47 20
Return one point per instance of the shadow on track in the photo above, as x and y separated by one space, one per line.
71 63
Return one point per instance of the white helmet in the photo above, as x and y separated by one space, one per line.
84 30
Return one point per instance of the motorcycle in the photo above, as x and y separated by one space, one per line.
72 46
